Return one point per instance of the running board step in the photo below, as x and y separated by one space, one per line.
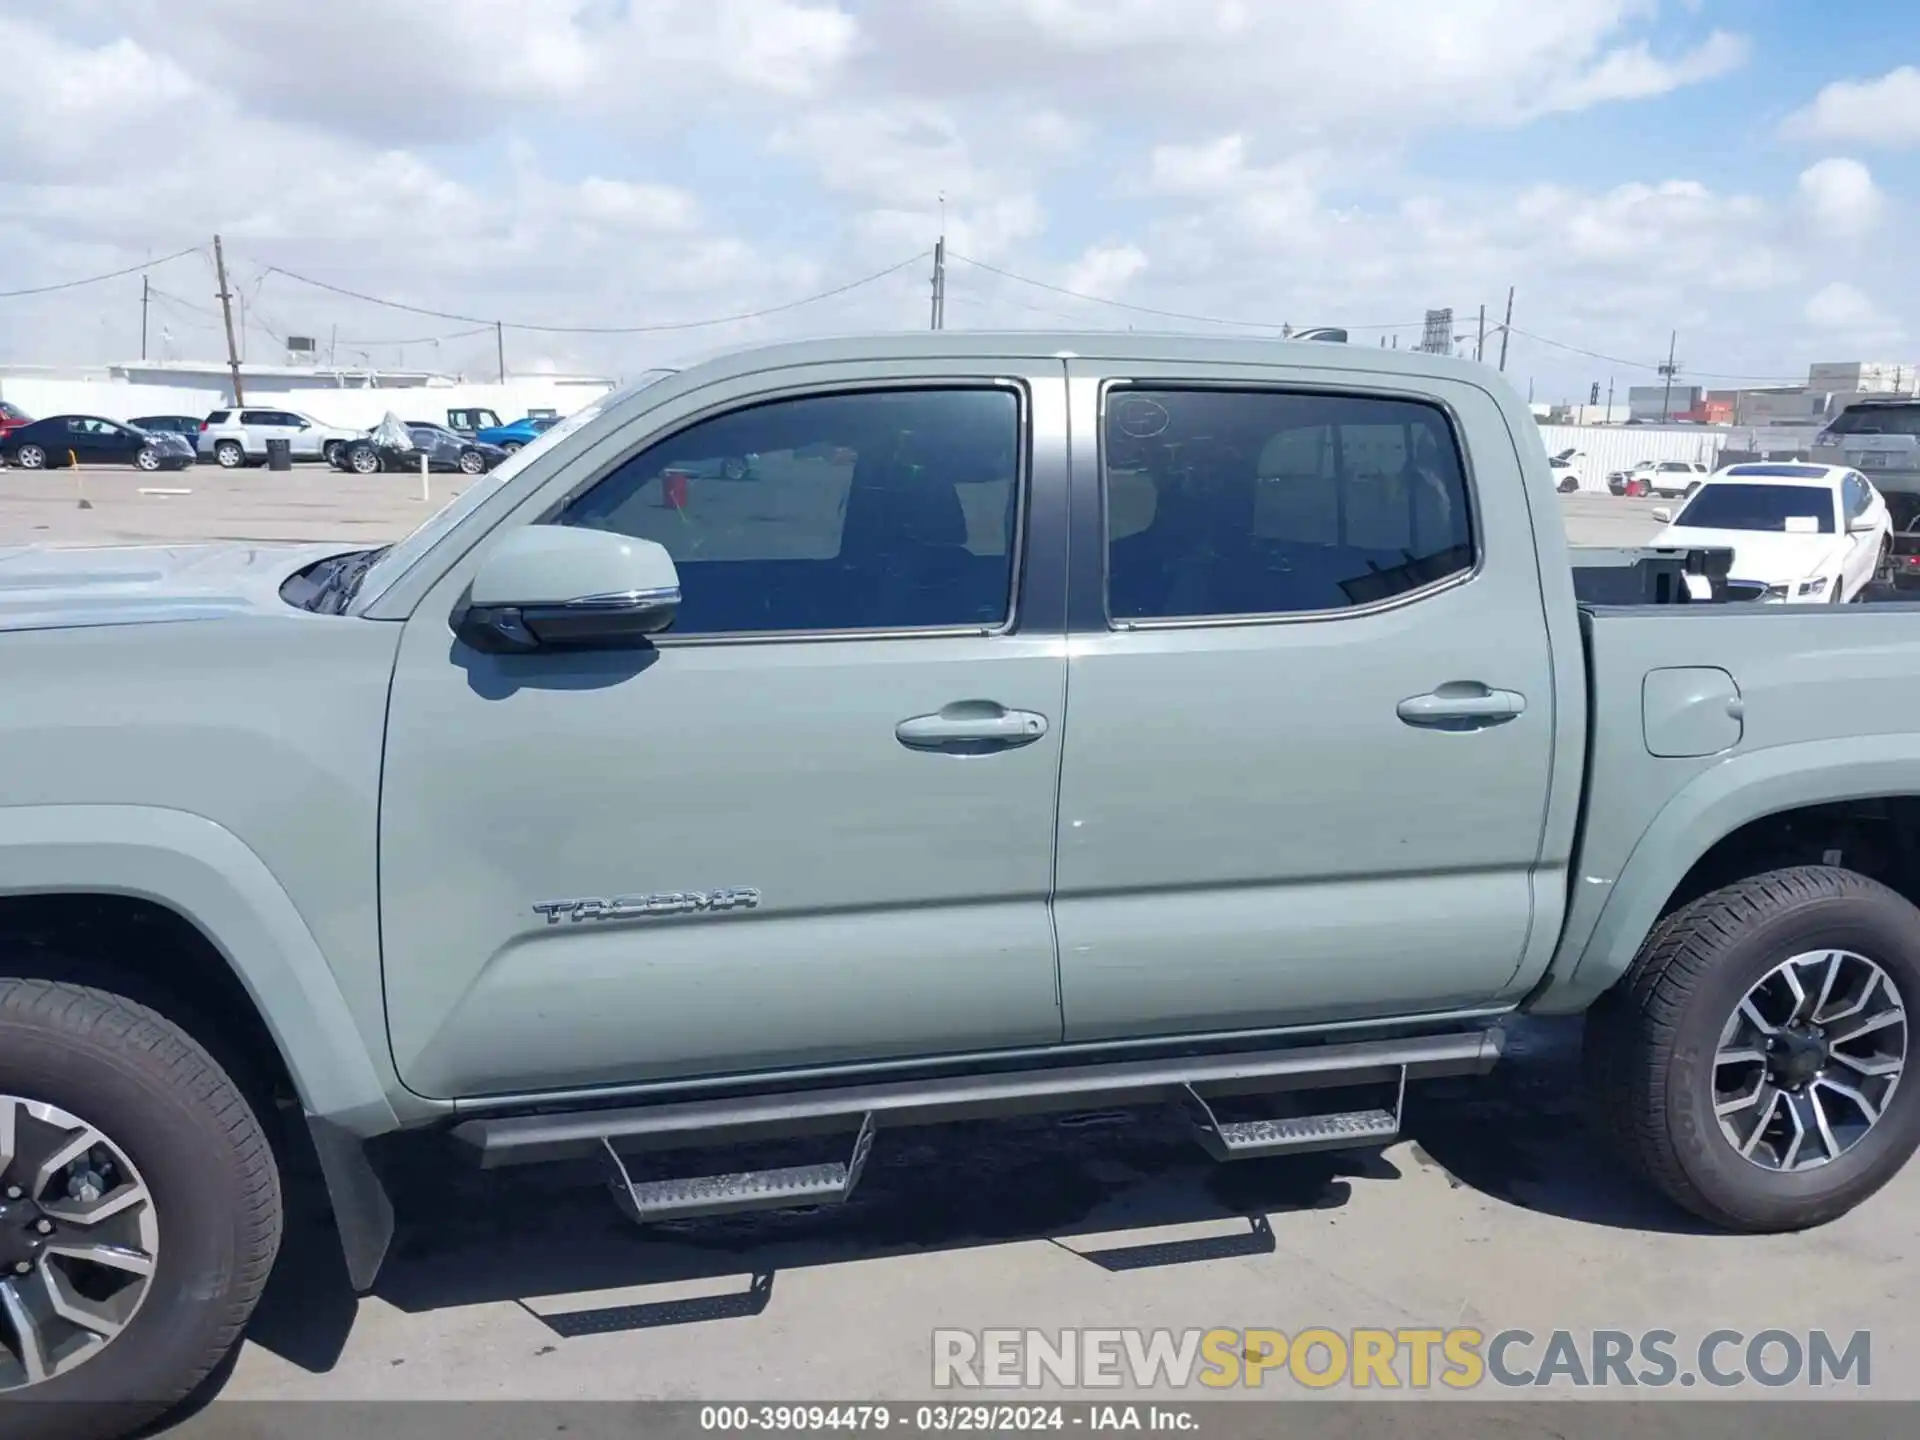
645 1201
1292 1135
520 1139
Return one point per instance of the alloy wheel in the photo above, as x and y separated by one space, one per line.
32 457
79 1240
1809 1060
471 462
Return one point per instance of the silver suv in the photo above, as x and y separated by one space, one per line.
237 437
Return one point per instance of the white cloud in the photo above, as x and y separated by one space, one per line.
1882 112
1636 73
647 161
1386 67
1840 197
1105 270
1839 306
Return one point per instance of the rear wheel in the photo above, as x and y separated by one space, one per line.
139 1207
330 452
1749 1063
230 454
31 457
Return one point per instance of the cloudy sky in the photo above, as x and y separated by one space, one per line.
1746 171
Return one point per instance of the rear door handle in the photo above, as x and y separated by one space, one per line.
1462 705
971 727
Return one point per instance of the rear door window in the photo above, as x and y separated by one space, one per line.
1253 503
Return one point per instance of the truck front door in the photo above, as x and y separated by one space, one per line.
1312 720
814 823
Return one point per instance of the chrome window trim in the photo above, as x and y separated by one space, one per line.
1110 383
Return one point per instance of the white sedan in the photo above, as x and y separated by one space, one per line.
1811 534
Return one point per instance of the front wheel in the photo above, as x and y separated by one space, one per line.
363 460
139 1207
1749 1063
472 462
147 460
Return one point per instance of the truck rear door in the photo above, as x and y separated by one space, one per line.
815 822
1311 730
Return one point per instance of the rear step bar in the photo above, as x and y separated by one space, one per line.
576 1134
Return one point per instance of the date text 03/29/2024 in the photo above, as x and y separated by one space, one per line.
978 1419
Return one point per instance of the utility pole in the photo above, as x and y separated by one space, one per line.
333 342
1668 370
938 319
146 293
1505 330
1480 345
1609 419
226 311
939 315
500 349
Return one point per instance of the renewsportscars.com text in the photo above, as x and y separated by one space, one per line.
1455 1358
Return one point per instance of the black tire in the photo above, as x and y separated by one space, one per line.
365 460
472 462
31 457
733 468
330 452
510 446
230 454
153 1091
148 459
1650 1042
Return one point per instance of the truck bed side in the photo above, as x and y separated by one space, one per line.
1703 719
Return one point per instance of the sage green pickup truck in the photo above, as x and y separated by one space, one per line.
843 736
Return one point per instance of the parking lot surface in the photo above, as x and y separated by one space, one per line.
1496 1210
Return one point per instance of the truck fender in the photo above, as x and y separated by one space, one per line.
1715 804
208 876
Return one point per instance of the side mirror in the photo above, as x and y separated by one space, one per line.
547 587
1663 513
1860 524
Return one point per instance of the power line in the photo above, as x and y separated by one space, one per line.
96 279
1649 365
1148 309
603 329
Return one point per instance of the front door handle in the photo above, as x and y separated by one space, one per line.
1462 705
971 727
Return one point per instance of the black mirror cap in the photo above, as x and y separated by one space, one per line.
589 625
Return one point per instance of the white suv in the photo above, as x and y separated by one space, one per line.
239 436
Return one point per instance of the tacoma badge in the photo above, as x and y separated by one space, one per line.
649 907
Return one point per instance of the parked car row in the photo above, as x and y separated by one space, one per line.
473 440
63 440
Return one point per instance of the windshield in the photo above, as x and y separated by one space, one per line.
1806 509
